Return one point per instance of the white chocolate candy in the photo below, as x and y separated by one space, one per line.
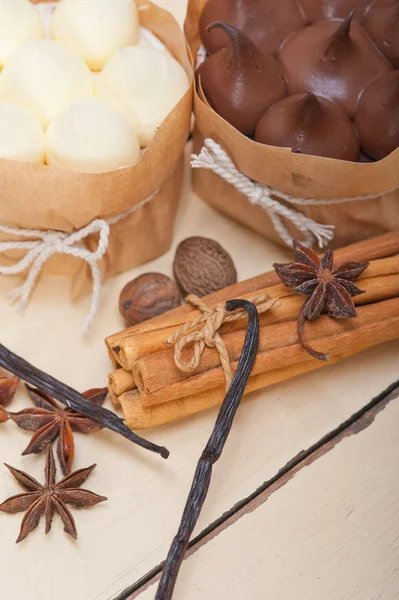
96 75
44 76
91 137
21 135
96 29
19 21
148 40
145 84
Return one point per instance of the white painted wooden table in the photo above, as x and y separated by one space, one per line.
302 505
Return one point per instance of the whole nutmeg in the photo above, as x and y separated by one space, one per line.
148 296
202 266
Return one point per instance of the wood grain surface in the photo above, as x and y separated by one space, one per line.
328 528
123 540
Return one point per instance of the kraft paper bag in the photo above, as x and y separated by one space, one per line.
37 197
327 186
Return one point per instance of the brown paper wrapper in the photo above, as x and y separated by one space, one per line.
43 197
299 175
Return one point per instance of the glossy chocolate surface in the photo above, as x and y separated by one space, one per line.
309 125
266 22
382 25
335 59
239 81
377 116
320 10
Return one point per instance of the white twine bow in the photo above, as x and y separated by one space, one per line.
214 158
50 242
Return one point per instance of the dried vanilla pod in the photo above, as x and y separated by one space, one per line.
201 266
212 452
148 296
72 399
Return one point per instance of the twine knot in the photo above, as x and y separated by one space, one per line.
49 242
214 158
209 336
41 249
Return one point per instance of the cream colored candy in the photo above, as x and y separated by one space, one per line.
19 21
44 76
96 29
91 137
145 84
148 40
96 75
21 135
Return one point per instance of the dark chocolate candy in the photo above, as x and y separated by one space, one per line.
377 116
382 25
365 158
318 10
334 59
266 22
309 125
239 81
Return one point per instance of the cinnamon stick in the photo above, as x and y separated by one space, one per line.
378 247
141 417
159 380
121 381
380 281
114 398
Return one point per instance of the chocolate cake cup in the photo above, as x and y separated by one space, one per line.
327 186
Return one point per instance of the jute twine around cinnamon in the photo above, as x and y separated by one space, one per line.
208 336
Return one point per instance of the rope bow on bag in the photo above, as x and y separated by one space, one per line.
209 335
46 244
214 158
38 252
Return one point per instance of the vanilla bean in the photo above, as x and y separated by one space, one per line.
212 452
71 398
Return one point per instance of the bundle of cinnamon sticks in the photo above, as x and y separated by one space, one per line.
152 390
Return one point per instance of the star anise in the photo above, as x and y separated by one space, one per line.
50 421
329 290
8 387
50 498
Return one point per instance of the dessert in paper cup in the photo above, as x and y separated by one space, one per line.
297 116
95 109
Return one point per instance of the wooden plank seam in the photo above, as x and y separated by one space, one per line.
359 421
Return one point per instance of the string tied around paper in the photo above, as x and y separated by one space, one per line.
214 158
42 245
209 336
